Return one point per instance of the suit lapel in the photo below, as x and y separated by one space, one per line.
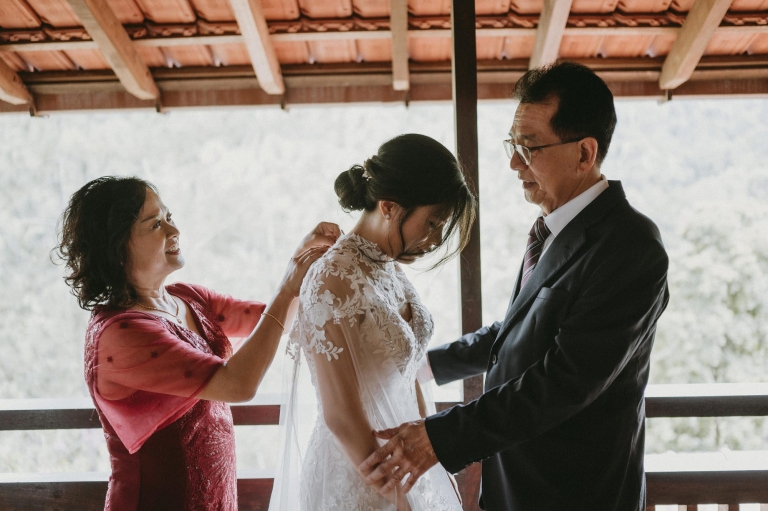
559 253
564 246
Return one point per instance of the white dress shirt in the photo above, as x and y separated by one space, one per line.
562 216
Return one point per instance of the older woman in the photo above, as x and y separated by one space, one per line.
158 361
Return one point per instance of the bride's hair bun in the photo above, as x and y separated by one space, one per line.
352 189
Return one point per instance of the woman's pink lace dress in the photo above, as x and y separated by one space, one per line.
168 449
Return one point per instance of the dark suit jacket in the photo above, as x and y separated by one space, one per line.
561 425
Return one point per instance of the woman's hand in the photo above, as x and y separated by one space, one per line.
324 235
297 269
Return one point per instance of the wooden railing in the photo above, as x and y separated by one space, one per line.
85 491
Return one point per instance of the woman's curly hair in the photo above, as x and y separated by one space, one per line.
95 229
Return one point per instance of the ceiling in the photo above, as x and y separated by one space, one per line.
284 51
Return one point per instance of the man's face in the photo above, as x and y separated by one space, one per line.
551 179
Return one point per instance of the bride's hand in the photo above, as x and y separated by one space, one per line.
324 234
297 269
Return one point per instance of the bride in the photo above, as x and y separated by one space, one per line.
362 330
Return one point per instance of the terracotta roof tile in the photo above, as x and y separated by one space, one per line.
489 48
281 9
230 55
625 46
326 8
573 47
526 6
759 45
292 52
429 50
749 5
729 44
371 8
429 7
126 11
57 13
487 7
518 47
213 10
14 61
153 57
18 14
49 60
632 6
375 50
167 11
184 56
87 59
591 6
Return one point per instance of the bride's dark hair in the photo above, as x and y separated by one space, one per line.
412 170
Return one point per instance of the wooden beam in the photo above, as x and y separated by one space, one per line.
12 88
78 413
87 491
204 40
188 92
464 92
116 46
549 34
399 31
704 487
253 26
702 22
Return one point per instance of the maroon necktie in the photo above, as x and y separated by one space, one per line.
536 237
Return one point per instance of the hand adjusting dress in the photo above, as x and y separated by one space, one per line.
360 351
168 449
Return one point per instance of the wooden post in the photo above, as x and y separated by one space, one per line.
464 82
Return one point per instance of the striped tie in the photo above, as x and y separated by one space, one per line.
536 237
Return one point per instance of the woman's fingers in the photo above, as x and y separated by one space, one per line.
324 234
328 229
309 256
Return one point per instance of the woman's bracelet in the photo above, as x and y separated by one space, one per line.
271 316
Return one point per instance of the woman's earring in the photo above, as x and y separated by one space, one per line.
386 216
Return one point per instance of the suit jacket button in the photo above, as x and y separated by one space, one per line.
494 359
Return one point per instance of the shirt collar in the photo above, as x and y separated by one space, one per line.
559 218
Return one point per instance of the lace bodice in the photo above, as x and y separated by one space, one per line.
356 283
362 357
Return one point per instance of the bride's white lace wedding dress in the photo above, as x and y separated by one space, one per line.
362 356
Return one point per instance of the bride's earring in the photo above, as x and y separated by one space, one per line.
386 216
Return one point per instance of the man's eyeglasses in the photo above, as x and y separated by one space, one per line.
526 153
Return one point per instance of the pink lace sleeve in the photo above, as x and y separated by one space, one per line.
237 318
146 377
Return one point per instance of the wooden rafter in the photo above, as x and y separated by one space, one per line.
253 25
699 27
549 34
12 88
116 46
399 31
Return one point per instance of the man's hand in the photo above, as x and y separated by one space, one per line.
408 451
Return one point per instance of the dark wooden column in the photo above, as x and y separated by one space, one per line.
464 81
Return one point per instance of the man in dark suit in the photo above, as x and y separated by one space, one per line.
561 425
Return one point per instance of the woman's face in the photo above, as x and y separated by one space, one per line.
153 249
422 230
